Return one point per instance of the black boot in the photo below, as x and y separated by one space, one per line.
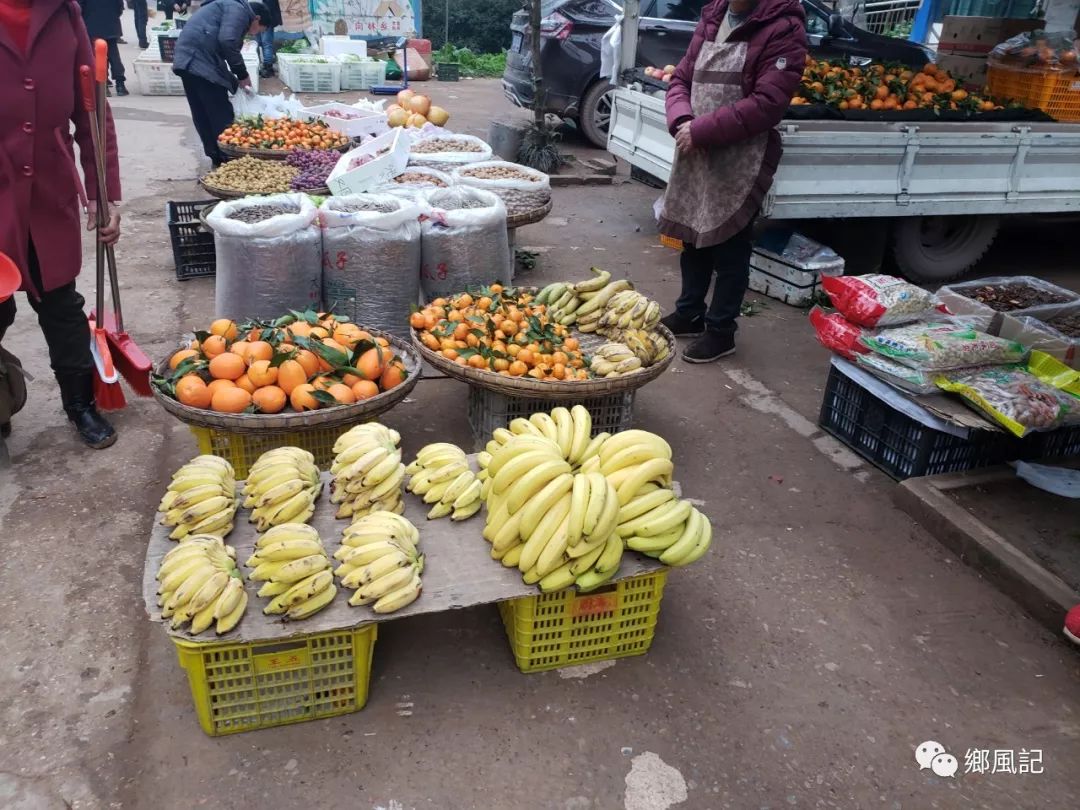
77 394
121 89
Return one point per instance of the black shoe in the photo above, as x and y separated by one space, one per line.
77 395
5 430
121 40
710 346
682 326
266 71
121 89
144 45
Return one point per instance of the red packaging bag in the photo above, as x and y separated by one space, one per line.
837 334
878 300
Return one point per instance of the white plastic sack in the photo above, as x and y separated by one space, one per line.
279 106
447 161
368 105
611 50
519 196
266 268
371 259
462 247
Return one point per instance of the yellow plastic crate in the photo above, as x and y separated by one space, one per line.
560 629
243 687
1055 93
243 449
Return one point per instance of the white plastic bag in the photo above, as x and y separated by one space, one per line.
478 150
371 259
279 106
266 268
463 241
519 195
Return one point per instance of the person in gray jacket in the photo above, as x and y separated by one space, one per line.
209 63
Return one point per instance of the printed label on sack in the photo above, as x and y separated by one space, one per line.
594 604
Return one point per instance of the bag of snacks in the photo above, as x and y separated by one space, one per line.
837 334
943 346
878 300
903 377
521 188
1014 397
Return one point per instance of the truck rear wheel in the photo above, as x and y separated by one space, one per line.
936 249
595 115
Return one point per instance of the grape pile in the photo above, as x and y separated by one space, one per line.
315 166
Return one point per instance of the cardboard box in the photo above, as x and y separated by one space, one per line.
383 169
977 36
969 71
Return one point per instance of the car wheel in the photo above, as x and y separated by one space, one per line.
936 249
595 114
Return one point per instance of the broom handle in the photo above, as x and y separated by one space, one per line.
87 81
101 69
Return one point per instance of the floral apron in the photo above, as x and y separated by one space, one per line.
714 193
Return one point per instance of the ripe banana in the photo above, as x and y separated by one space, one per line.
599 492
538 505
312 605
564 428
557 580
307 588
397 599
548 525
657 469
547 426
608 561
592 285
586 561
641 504
388 583
533 481
377 568
579 501
580 433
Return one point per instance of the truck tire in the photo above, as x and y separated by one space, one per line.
595 115
938 249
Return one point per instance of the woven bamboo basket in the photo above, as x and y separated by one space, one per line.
528 217
561 390
323 418
228 194
270 154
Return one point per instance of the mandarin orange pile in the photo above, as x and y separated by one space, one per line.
281 134
303 363
500 330
884 87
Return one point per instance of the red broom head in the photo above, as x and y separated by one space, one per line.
108 396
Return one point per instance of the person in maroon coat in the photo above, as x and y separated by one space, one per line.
42 45
726 97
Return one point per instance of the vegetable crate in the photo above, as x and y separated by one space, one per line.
1055 93
156 78
565 628
243 449
248 686
489 410
900 445
310 77
192 244
356 75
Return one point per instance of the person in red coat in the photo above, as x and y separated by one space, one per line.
725 99
43 43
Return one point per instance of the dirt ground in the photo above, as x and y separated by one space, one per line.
799 664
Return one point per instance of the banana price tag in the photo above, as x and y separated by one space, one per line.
594 604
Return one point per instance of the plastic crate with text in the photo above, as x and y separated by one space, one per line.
489 410
243 687
565 628
243 449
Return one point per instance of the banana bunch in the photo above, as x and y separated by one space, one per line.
649 347
380 561
281 487
199 583
290 560
201 498
442 476
614 360
627 309
368 472
567 431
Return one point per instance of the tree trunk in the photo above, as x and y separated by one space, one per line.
538 80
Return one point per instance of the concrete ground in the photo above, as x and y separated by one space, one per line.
799 664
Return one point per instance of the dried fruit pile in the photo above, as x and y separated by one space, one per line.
436 145
280 134
250 175
304 360
1007 297
884 87
258 213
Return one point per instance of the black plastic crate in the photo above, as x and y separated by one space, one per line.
900 445
1056 445
448 71
192 243
166 47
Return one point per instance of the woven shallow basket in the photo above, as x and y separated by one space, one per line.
322 418
270 154
528 217
228 194
551 389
